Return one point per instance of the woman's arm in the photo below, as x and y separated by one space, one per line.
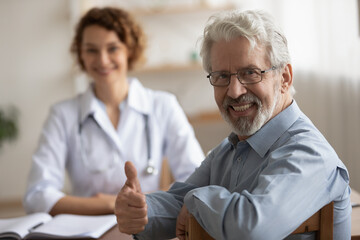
46 177
99 204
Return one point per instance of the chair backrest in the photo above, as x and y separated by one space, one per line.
166 177
193 230
322 222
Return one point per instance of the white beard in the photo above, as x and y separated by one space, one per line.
244 126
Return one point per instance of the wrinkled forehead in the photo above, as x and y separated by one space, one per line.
237 51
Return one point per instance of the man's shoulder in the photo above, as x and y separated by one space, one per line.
304 140
303 128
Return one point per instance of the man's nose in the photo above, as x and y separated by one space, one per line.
235 88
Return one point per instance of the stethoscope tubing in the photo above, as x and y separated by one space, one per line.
150 168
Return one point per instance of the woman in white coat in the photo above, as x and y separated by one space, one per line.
116 120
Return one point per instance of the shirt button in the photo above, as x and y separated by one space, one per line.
239 159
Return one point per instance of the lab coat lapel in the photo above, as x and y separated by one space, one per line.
105 123
90 106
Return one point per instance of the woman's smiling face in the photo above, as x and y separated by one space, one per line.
104 56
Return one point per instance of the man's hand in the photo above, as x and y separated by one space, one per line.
181 222
130 204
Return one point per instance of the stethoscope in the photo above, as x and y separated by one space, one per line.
150 167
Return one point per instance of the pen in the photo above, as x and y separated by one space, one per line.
36 226
355 205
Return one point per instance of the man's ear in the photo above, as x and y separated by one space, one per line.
286 78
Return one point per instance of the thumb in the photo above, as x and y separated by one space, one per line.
131 175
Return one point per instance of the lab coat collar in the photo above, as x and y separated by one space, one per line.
91 106
88 104
138 99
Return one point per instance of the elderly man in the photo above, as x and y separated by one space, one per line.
274 170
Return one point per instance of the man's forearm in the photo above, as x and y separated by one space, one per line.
163 209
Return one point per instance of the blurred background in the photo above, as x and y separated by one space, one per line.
37 69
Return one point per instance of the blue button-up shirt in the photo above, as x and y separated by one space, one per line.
261 188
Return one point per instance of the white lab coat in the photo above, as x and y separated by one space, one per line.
94 156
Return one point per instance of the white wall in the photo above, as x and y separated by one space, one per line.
35 72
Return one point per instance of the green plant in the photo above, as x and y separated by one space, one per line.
8 124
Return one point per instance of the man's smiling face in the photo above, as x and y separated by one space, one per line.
246 107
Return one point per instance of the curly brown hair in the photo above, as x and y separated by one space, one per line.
115 19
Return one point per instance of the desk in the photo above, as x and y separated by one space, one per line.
114 233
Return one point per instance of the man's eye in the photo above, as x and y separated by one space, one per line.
223 76
249 72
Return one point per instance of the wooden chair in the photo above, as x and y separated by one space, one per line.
166 177
193 230
322 222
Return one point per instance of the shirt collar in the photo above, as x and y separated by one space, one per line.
268 134
263 139
138 99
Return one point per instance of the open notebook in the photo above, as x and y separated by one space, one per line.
62 226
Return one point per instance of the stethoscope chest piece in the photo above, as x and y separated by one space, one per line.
150 169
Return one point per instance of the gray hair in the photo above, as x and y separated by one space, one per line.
256 26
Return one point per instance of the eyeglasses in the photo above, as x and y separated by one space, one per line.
246 76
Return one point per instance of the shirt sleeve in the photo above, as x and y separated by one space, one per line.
287 192
163 209
46 178
181 147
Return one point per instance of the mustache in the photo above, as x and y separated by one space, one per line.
248 97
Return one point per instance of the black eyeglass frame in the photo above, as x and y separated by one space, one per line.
237 76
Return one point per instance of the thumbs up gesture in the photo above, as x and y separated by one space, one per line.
130 204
